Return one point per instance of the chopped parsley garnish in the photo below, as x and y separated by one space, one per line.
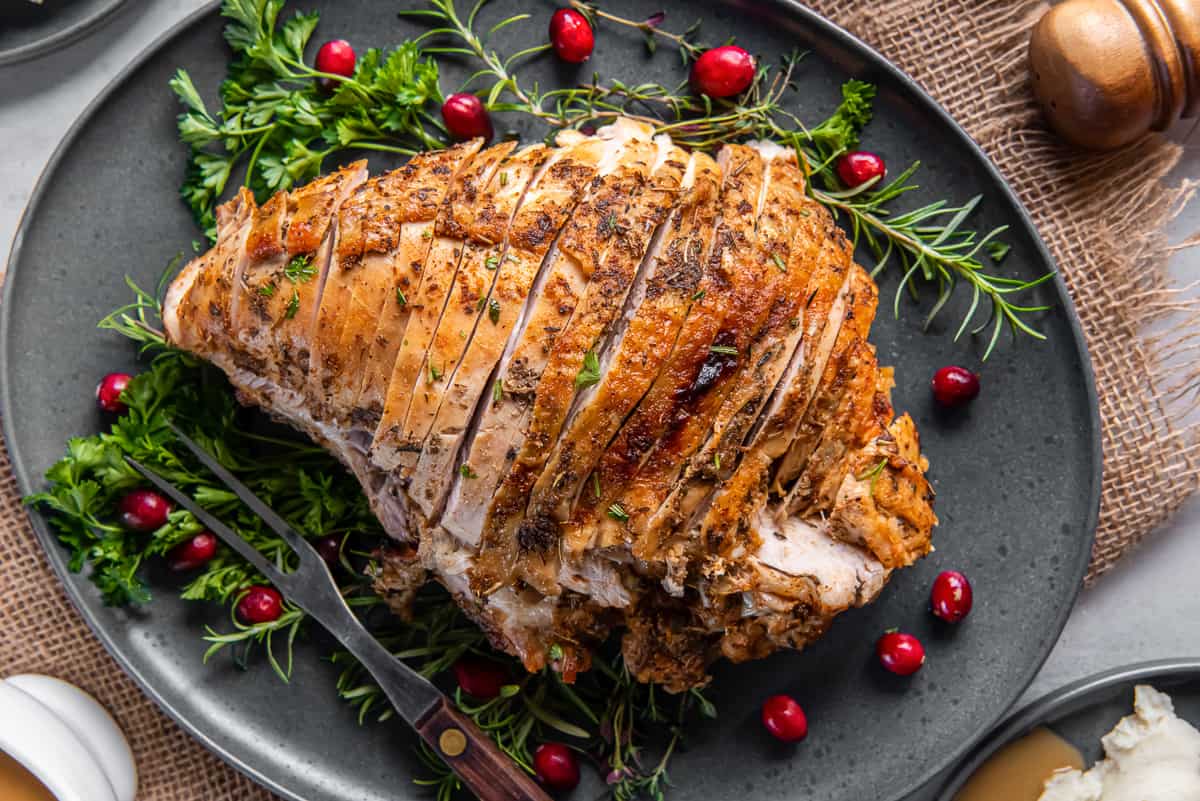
403 301
300 270
434 373
699 295
590 372
267 290
293 305
466 472
427 234
494 311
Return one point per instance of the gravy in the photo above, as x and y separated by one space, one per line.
18 784
1018 771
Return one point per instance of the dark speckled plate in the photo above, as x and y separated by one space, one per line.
1017 474
29 29
1083 712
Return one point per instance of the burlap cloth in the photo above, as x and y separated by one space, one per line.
1101 215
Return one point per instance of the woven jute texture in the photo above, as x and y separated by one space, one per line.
1101 215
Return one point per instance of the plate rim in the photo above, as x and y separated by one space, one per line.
1041 709
61 38
820 25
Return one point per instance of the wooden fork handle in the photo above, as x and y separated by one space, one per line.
486 770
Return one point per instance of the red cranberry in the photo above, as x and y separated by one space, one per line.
481 678
465 117
859 166
556 766
954 386
951 597
260 605
108 392
144 510
571 36
194 552
900 653
337 58
330 549
723 71
784 718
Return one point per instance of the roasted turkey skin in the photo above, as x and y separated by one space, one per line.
608 386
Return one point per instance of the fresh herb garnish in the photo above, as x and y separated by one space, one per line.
466 472
293 305
275 119
589 373
726 350
494 311
498 390
403 301
617 512
300 269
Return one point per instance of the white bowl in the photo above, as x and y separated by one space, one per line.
65 738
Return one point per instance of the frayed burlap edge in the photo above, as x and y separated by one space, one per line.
1103 218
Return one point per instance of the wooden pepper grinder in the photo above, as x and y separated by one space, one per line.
1108 71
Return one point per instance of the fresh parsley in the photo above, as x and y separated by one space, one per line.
589 373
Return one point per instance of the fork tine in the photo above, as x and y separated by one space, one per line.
230 537
276 523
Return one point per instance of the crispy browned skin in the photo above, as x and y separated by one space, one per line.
602 386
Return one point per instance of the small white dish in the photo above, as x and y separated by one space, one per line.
91 723
65 738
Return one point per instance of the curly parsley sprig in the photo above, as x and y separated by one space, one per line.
277 122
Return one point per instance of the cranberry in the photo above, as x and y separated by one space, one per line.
571 36
335 57
859 166
954 386
900 653
481 678
951 597
723 71
556 766
465 117
784 718
194 552
144 510
260 605
330 549
108 392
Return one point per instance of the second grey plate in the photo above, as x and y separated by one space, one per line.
29 29
1083 712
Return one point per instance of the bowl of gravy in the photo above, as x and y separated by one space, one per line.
57 743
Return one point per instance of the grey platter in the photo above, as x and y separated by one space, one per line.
1086 710
1017 474
28 30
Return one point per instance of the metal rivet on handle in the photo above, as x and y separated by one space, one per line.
452 742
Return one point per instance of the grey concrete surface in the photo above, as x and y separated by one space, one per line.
1147 608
